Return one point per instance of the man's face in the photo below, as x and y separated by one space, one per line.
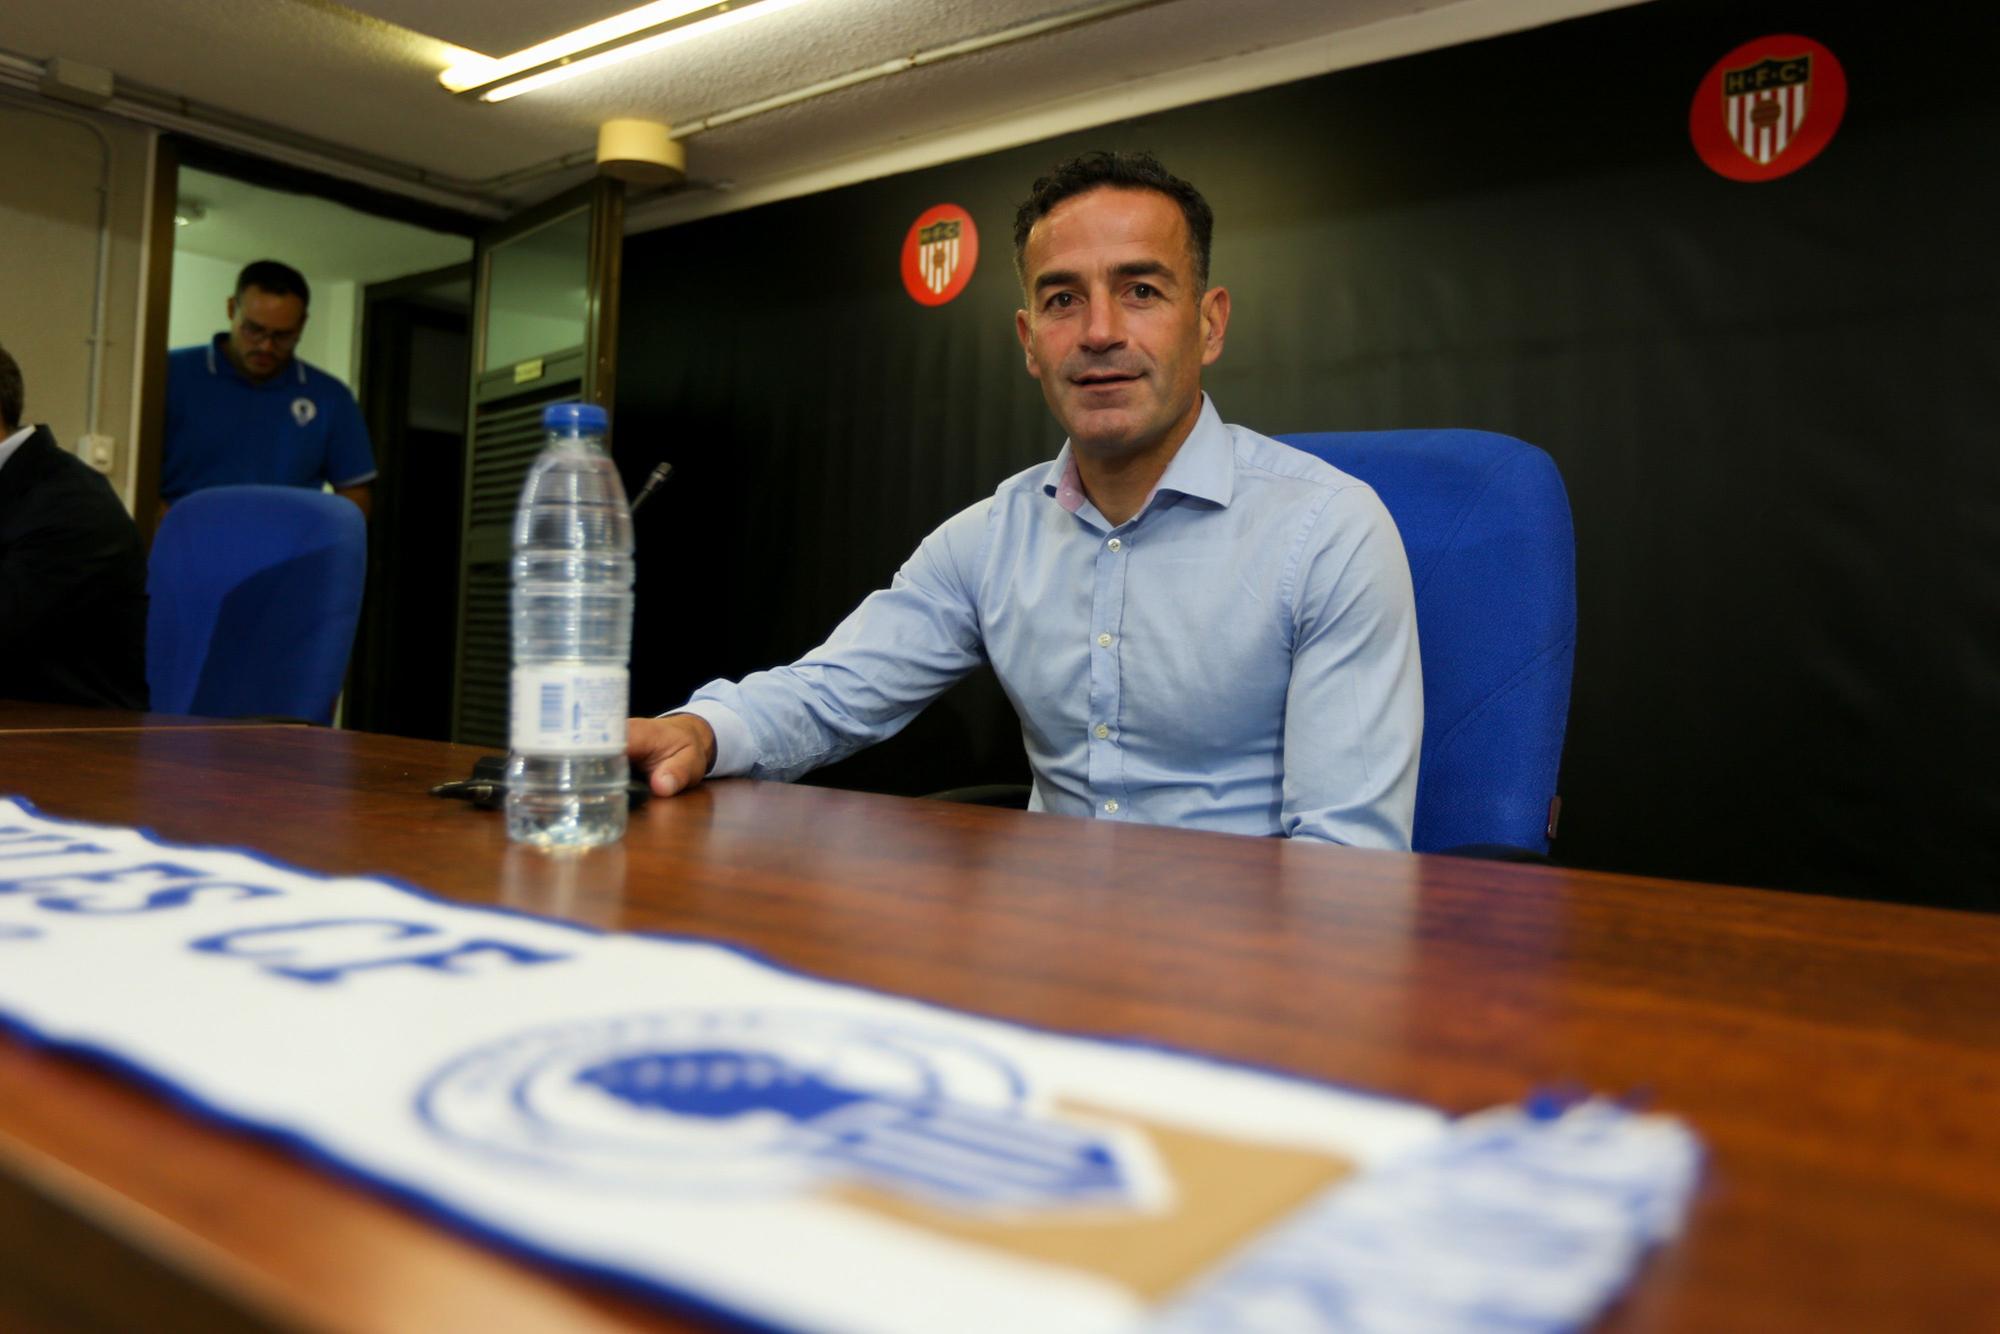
263 329
1114 328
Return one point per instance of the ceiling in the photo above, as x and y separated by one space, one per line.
353 89
234 220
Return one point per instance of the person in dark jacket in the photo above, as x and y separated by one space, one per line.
72 572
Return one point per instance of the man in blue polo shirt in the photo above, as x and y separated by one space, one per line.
241 408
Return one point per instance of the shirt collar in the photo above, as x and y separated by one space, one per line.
14 442
217 359
1063 482
1204 467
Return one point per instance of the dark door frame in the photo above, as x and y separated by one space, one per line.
398 667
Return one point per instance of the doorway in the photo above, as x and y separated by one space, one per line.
222 223
416 364
390 319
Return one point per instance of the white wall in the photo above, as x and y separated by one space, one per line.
201 289
330 340
50 166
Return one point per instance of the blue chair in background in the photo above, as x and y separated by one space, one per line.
1486 525
256 591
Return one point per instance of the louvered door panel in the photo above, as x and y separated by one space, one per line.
506 437
486 651
534 301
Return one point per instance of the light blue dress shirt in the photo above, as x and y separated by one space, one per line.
1239 656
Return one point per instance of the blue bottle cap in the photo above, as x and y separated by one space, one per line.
581 418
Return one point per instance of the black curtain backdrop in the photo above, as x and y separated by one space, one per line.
1773 406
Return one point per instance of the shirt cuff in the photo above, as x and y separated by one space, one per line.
735 750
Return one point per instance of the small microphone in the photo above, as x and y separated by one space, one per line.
654 481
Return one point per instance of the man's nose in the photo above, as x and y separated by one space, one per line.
1104 327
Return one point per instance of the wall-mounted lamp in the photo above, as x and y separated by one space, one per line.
598 45
640 152
187 213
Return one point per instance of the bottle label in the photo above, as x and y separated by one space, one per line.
568 708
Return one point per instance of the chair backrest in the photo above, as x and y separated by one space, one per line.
256 591
1486 524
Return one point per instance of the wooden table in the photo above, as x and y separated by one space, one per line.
1840 1059
24 716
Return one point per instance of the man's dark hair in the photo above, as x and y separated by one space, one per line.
13 392
1119 171
275 278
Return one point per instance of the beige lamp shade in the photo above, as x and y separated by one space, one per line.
641 152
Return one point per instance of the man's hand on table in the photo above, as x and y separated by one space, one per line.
676 751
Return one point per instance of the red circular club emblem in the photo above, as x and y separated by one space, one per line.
1768 108
939 254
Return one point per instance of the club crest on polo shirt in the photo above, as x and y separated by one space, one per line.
304 410
771 1103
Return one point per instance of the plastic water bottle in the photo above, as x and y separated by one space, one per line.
566 767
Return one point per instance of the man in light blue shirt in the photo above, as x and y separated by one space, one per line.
1197 626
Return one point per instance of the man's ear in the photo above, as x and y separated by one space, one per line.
231 307
1214 323
1026 335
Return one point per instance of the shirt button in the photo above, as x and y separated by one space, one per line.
1114 544
1111 807
1102 731
1104 641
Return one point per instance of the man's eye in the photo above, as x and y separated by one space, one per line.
1144 291
1062 300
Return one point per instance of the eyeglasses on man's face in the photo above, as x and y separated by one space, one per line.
257 335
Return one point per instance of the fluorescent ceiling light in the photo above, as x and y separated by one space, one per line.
597 45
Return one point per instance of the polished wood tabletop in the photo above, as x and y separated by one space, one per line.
28 716
1840 1059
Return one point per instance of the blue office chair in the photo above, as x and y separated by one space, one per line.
256 591
1486 525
